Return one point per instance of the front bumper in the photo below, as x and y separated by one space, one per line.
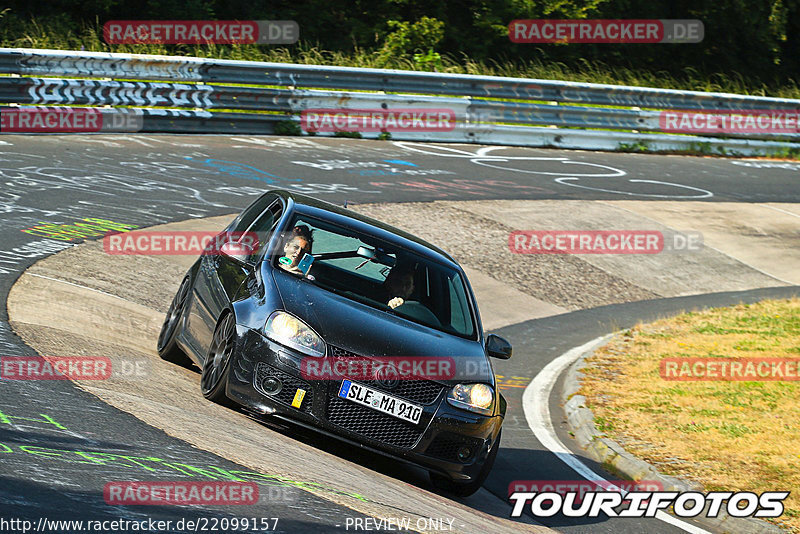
432 443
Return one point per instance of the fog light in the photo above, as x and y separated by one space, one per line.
271 386
464 453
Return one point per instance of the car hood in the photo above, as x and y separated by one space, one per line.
370 332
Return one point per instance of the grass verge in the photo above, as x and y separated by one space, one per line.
18 32
727 435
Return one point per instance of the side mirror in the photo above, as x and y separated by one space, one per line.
497 347
235 251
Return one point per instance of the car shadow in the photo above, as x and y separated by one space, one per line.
511 465
28 504
515 465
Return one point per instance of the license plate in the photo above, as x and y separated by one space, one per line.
382 402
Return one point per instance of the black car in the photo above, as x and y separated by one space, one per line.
346 325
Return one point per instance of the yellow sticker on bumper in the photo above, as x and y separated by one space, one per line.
298 398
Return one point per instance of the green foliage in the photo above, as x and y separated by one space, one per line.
749 47
288 127
408 38
693 427
351 135
638 146
603 425
704 148
786 153
734 430
431 58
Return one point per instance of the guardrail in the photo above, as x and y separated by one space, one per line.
177 95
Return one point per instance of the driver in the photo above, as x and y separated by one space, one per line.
297 245
399 284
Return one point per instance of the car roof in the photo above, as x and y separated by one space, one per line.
368 225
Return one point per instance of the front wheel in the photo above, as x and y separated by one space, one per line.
444 483
215 367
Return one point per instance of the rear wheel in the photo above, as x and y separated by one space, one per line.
215 367
167 340
461 489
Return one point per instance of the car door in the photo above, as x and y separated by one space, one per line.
220 275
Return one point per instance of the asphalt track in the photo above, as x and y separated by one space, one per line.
147 180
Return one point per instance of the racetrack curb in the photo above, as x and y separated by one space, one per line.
615 458
64 304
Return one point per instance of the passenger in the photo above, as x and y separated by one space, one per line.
297 245
399 284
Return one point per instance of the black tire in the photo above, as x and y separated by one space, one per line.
443 483
167 346
216 366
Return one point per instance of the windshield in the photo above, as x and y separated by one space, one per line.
376 273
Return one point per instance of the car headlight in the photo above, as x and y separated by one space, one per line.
292 332
473 397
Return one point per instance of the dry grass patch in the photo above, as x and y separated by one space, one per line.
726 435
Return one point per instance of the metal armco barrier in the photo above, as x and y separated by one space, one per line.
542 113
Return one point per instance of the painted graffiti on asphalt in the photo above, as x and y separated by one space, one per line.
8 342
145 464
387 167
760 164
87 227
55 235
248 172
34 249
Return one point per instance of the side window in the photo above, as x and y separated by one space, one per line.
254 226
251 213
261 229
460 318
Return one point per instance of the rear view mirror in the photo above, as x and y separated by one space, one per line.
366 253
497 347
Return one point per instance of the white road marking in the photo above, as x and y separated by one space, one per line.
614 172
704 193
778 209
484 157
535 404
